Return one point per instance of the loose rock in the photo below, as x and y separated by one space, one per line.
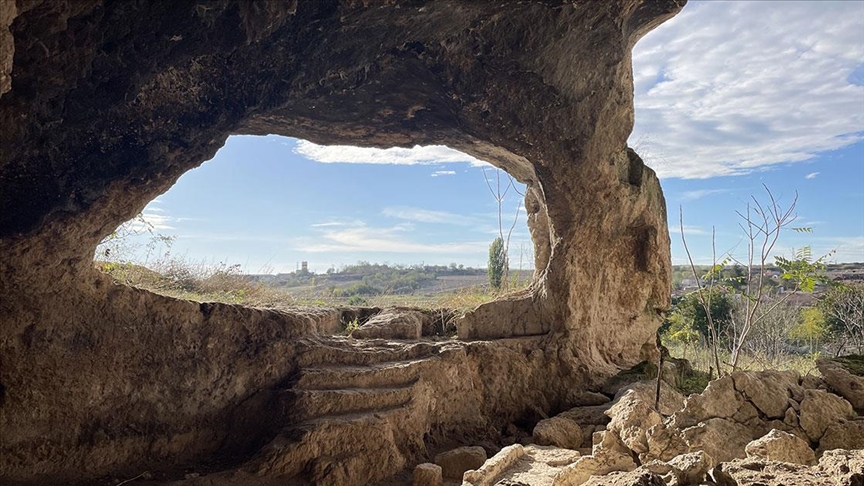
719 400
558 431
783 447
593 415
847 385
588 399
820 410
392 324
848 435
633 478
768 390
428 474
632 413
670 474
598 464
455 462
485 474
693 466
722 439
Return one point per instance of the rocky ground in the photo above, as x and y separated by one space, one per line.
750 428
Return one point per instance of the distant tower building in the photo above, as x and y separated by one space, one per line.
304 267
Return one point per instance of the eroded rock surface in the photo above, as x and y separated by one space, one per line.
846 384
104 105
711 449
427 474
820 410
533 464
558 431
781 447
835 468
393 324
455 462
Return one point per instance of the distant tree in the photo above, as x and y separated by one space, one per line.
497 263
812 327
500 195
679 328
772 328
689 313
843 307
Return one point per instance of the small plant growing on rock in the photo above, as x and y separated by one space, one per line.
351 326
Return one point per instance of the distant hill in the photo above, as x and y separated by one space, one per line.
367 279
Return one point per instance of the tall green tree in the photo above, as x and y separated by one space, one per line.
497 263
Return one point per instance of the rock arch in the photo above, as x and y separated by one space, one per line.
110 102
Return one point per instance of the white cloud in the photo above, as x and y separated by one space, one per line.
326 225
154 218
234 237
148 221
157 221
418 155
383 240
811 175
688 230
845 248
428 216
443 173
806 223
699 194
727 88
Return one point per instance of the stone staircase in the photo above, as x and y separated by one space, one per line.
354 422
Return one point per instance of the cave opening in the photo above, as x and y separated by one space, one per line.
278 221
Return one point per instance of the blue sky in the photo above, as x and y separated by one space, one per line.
729 96
263 204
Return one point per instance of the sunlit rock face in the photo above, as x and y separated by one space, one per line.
103 105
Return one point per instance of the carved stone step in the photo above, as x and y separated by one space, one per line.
308 404
376 375
351 354
331 448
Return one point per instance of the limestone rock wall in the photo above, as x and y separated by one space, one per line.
104 104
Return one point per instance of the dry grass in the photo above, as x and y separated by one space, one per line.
701 359
199 282
464 299
208 282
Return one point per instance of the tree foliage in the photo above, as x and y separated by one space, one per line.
843 307
812 327
689 309
679 328
497 263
